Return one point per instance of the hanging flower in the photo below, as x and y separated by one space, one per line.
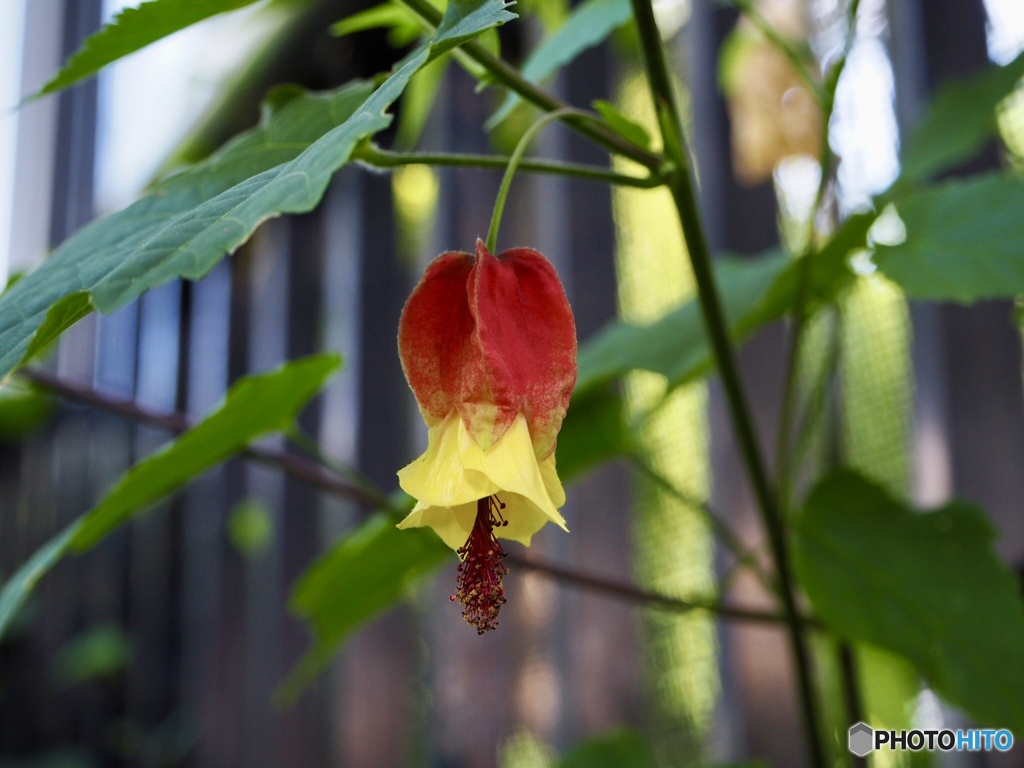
488 346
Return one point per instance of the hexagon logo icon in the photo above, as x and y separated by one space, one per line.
861 739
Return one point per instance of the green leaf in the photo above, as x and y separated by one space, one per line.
61 316
964 241
251 527
960 120
189 222
21 583
362 575
100 652
594 431
254 407
404 28
23 408
754 291
622 748
927 586
589 24
58 758
133 29
628 129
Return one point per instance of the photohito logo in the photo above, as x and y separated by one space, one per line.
862 739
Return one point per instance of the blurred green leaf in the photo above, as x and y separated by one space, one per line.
23 409
98 653
391 16
959 121
626 128
58 758
133 29
623 748
927 586
588 25
254 406
964 241
754 291
594 431
251 527
189 222
418 101
366 572
17 588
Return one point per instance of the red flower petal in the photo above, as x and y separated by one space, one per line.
492 337
436 325
527 339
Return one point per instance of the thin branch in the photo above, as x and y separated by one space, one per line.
175 422
382 158
636 594
327 480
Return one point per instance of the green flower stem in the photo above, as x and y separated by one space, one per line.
722 529
750 10
382 158
513 166
505 74
681 184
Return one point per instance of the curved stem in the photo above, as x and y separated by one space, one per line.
682 187
513 166
373 155
505 74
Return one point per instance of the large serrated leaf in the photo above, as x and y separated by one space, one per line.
927 586
133 29
960 119
588 25
188 223
255 406
964 241
365 573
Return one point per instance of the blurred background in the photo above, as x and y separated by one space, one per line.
164 646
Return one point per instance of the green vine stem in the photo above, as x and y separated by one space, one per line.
505 74
681 184
513 166
787 416
373 155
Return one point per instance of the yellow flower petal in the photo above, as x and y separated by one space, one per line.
551 482
454 473
438 477
512 465
452 524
